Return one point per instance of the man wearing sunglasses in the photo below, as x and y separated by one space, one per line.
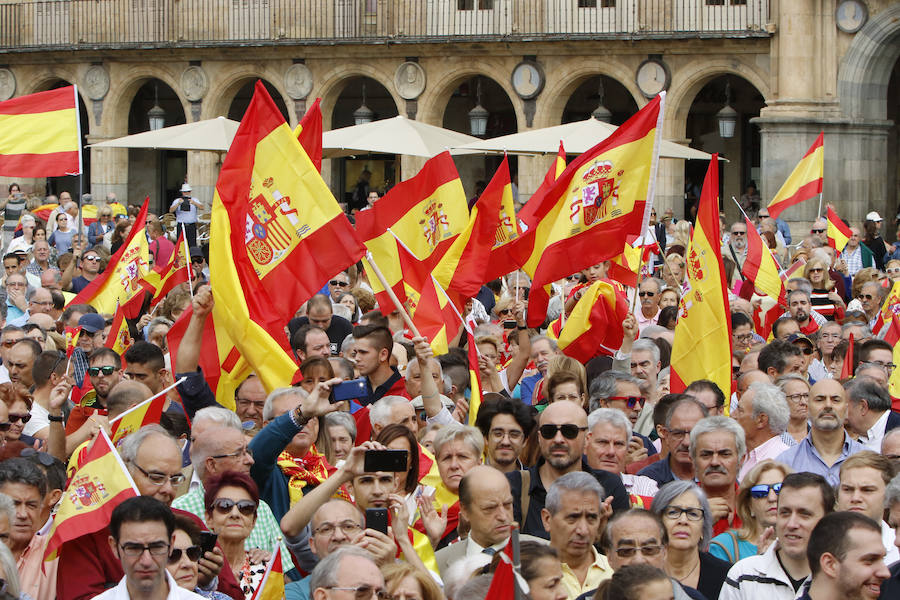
562 435
105 371
648 293
763 413
736 247
90 269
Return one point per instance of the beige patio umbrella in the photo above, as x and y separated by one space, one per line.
210 134
577 138
397 135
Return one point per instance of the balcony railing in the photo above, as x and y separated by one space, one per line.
88 24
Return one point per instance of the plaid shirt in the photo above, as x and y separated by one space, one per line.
853 260
266 533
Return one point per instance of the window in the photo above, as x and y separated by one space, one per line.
474 4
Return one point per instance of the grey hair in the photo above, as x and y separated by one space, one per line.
788 378
645 345
159 321
338 363
133 442
667 494
219 415
7 506
799 290
458 431
891 493
604 385
711 424
802 285
576 481
888 435
475 588
342 419
611 416
769 400
10 570
864 388
651 330
664 372
347 344
869 365
342 311
380 412
325 575
268 411
659 283
537 338
867 333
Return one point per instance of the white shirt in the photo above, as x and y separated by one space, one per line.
120 592
872 438
887 539
38 420
639 485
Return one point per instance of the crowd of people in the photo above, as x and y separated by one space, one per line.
593 478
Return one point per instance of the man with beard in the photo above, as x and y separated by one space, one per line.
800 308
736 248
105 371
505 424
826 447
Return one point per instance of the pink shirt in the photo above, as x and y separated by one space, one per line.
769 449
37 577
644 322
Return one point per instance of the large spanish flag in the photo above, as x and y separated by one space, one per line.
837 232
702 345
595 207
120 282
464 267
100 485
595 325
40 134
425 212
760 267
276 235
119 338
804 182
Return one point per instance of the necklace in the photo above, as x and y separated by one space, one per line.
691 572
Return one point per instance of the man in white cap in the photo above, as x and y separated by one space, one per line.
185 209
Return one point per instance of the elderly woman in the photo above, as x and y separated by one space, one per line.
669 297
565 385
341 429
457 448
796 392
24 242
98 229
757 506
685 513
184 558
231 501
824 299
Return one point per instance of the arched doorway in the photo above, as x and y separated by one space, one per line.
155 173
476 170
600 91
242 98
71 184
740 144
361 99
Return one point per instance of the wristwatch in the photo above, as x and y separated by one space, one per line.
56 418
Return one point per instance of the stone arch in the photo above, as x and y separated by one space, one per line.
865 71
222 91
553 100
117 103
336 79
687 83
434 100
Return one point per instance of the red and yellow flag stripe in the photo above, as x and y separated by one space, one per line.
760 266
804 182
837 232
40 134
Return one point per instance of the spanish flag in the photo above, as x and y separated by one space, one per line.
847 367
272 585
760 267
595 207
464 268
425 212
163 278
595 325
277 235
837 232
804 182
309 133
702 346
474 378
40 135
147 412
120 282
892 337
101 484
890 307
72 334
119 338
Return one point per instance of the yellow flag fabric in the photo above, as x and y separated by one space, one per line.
702 345
39 134
272 585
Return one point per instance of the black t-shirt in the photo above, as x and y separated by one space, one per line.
339 329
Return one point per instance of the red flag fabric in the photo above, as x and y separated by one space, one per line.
503 583
595 325
847 366
164 277
310 134
760 266
837 232
119 338
41 134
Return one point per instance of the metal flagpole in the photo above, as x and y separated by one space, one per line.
189 266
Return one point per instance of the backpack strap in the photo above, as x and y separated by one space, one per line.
525 500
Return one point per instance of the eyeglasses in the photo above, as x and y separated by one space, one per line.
337 283
197 261
674 512
817 231
815 270
5 426
14 418
11 343
677 434
647 294
192 552
629 551
762 490
505 311
514 435
239 452
744 337
569 431
134 550
738 233
224 505
107 370
797 397
865 296
15 284
886 365
630 401
348 528
893 270
363 592
157 478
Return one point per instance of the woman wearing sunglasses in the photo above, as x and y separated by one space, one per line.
184 558
757 506
18 403
231 502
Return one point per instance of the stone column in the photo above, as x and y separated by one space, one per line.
109 173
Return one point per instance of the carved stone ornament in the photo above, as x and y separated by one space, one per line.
96 82
194 83
7 84
298 81
410 80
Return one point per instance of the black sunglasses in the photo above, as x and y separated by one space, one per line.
650 294
94 371
14 418
761 490
224 506
193 553
43 458
569 431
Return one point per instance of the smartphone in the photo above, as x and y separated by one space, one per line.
355 389
385 460
509 324
377 519
208 541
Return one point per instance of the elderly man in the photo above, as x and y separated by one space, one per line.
505 424
348 570
871 295
648 292
320 314
572 515
763 414
392 410
41 261
736 247
250 400
16 303
827 445
608 438
864 479
717 448
542 350
562 427
869 415
338 286
680 419
890 448
856 256
780 572
20 361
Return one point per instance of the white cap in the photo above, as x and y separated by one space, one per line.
873 216
418 404
185 187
